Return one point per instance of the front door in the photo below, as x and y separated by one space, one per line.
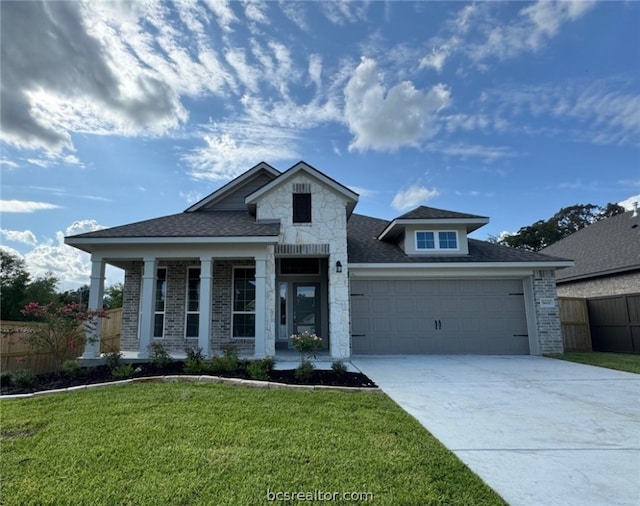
306 308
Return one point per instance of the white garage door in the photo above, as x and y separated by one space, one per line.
438 316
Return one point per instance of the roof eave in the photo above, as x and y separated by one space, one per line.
468 265
471 224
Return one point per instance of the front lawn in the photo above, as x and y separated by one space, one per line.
185 443
620 361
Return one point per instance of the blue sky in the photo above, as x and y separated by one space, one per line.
114 112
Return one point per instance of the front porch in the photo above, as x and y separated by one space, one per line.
252 301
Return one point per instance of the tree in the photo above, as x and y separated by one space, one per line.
113 296
565 222
17 288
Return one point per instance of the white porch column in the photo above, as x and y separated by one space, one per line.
96 293
261 297
205 303
146 306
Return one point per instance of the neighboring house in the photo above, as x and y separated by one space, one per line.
275 253
607 274
607 258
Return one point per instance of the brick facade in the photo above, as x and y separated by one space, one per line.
547 312
174 339
617 284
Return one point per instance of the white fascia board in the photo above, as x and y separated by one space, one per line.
231 185
429 222
301 167
87 244
475 269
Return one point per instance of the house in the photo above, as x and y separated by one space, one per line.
607 274
275 253
607 258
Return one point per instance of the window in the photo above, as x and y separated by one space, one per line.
160 297
448 240
302 208
244 302
436 240
299 266
425 240
192 325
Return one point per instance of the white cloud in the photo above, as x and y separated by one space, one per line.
388 120
608 110
363 192
232 147
628 204
535 26
256 11
66 74
223 12
24 206
315 69
191 197
22 236
412 197
70 265
342 12
489 153
295 11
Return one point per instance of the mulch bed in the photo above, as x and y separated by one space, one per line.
102 374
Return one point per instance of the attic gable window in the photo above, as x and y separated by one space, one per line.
429 241
302 208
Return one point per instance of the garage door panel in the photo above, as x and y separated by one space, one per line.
473 316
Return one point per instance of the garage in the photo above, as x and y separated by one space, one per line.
444 316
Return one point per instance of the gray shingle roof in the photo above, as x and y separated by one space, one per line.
604 247
363 247
430 213
198 224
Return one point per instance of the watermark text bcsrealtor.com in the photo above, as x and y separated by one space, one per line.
318 495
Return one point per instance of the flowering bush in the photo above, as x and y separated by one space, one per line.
306 344
60 329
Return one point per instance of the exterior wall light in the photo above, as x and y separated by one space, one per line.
338 266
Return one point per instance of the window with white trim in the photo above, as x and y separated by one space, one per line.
160 296
441 240
192 321
243 318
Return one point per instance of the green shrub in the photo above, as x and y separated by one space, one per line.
72 369
24 378
260 369
114 359
160 357
122 371
304 371
6 379
339 368
194 363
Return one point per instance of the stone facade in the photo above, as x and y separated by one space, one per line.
328 227
547 312
616 284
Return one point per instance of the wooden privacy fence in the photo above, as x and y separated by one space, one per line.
15 353
574 318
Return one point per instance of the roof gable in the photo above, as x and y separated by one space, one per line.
431 216
230 197
349 195
363 247
605 247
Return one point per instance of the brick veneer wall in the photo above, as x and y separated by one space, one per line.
131 307
548 318
174 328
618 284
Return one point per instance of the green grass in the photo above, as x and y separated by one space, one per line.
182 443
620 361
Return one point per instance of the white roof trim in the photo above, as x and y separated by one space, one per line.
232 185
435 221
302 167
465 265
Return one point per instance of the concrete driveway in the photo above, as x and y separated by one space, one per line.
538 431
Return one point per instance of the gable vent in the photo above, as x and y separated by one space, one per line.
302 249
301 188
